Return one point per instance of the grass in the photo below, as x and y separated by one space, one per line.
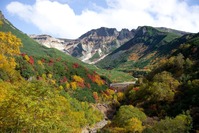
170 37
95 56
115 76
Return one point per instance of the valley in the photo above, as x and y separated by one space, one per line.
142 80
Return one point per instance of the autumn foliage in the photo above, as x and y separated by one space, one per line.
32 99
9 47
95 95
96 78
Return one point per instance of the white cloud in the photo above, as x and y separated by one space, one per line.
58 19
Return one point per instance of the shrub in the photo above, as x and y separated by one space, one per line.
126 113
180 124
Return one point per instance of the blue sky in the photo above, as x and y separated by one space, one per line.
72 18
29 28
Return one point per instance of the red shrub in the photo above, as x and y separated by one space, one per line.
31 61
75 65
135 89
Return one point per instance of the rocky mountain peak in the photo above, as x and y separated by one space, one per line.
49 41
100 32
125 33
97 43
107 32
142 31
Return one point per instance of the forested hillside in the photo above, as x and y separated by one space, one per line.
34 94
45 90
167 98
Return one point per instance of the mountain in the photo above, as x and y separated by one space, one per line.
96 44
147 45
91 46
39 62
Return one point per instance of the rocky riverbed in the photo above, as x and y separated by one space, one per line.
96 127
108 113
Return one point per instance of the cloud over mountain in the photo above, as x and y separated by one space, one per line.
59 19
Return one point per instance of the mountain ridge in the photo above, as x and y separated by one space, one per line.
96 44
91 46
147 44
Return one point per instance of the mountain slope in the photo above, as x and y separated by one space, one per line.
30 46
171 87
34 49
91 46
37 62
145 46
33 95
166 95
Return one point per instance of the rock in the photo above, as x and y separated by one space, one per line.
96 127
49 41
107 111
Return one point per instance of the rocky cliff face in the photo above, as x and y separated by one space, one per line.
97 43
91 46
50 41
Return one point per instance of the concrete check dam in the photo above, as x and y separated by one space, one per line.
121 86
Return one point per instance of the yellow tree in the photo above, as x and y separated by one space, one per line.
73 85
78 79
9 44
9 47
134 125
98 80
